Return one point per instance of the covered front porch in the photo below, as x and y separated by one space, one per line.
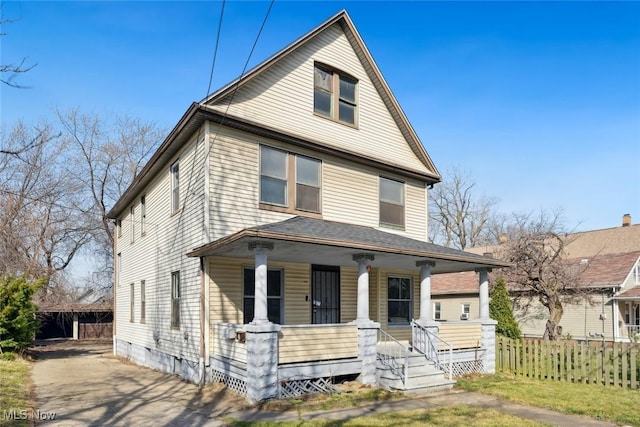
295 304
628 308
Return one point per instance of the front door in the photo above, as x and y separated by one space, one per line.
325 294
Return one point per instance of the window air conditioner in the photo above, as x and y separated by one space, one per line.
464 316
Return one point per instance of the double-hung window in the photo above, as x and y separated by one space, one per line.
143 215
399 299
437 310
290 182
132 221
334 94
274 295
143 302
175 299
175 187
273 176
132 302
307 184
391 202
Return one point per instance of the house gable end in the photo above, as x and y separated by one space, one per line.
279 93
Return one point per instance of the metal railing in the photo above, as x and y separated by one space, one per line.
633 330
431 345
394 355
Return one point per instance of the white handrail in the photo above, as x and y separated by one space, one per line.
426 342
398 352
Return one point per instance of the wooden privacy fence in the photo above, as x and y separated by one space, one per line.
604 363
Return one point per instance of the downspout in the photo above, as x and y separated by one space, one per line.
201 368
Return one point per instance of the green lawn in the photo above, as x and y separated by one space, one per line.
595 401
447 416
15 390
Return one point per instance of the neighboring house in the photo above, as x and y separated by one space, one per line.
610 310
278 237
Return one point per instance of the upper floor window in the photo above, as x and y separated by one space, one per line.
291 182
132 302
143 215
307 184
334 94
175 187
391 202
273 176
132 221
119 227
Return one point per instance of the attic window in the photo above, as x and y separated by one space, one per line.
334 94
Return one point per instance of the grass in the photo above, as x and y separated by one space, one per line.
447 416
15 384
595 401
331 401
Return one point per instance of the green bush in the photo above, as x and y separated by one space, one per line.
500 309
18 323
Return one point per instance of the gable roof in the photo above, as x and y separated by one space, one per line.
610 270
198 113
344 21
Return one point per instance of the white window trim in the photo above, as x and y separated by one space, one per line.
410 300
143 215
175 186
281 297
132 225
143 301
132 303
179 298
435 303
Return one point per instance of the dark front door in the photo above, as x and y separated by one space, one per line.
325 294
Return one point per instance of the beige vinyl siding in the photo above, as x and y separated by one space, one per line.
349 191
317 343
451 306
282 98
160 251
580 319
460 334
348 294
226 294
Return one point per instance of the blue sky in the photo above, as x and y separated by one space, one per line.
539 102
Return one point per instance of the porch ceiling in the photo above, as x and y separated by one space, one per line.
308 240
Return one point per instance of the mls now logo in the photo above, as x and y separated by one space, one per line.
23 414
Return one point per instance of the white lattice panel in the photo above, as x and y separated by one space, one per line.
232 383
464 368
296 388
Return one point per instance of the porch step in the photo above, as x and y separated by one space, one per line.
422 376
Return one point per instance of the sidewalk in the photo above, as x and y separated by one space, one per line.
413 402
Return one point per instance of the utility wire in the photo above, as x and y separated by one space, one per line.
244 69
215 51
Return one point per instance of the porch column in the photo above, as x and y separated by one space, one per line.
260 315
425 290
367 329
76 326
363 261
484 292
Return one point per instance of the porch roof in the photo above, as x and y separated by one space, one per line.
631 293
315 241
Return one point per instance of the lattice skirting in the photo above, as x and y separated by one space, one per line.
295 388
463 368
232 383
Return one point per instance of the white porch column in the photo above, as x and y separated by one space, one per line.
425 290
76 327
484 292
260 249
363 261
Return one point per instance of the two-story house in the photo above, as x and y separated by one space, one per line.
278 237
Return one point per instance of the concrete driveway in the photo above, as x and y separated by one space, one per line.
84 384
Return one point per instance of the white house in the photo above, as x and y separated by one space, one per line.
278 237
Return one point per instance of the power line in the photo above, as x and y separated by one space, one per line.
244 69
215 51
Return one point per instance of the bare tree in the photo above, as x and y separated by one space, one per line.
106 154
535 244
12 69
458 217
